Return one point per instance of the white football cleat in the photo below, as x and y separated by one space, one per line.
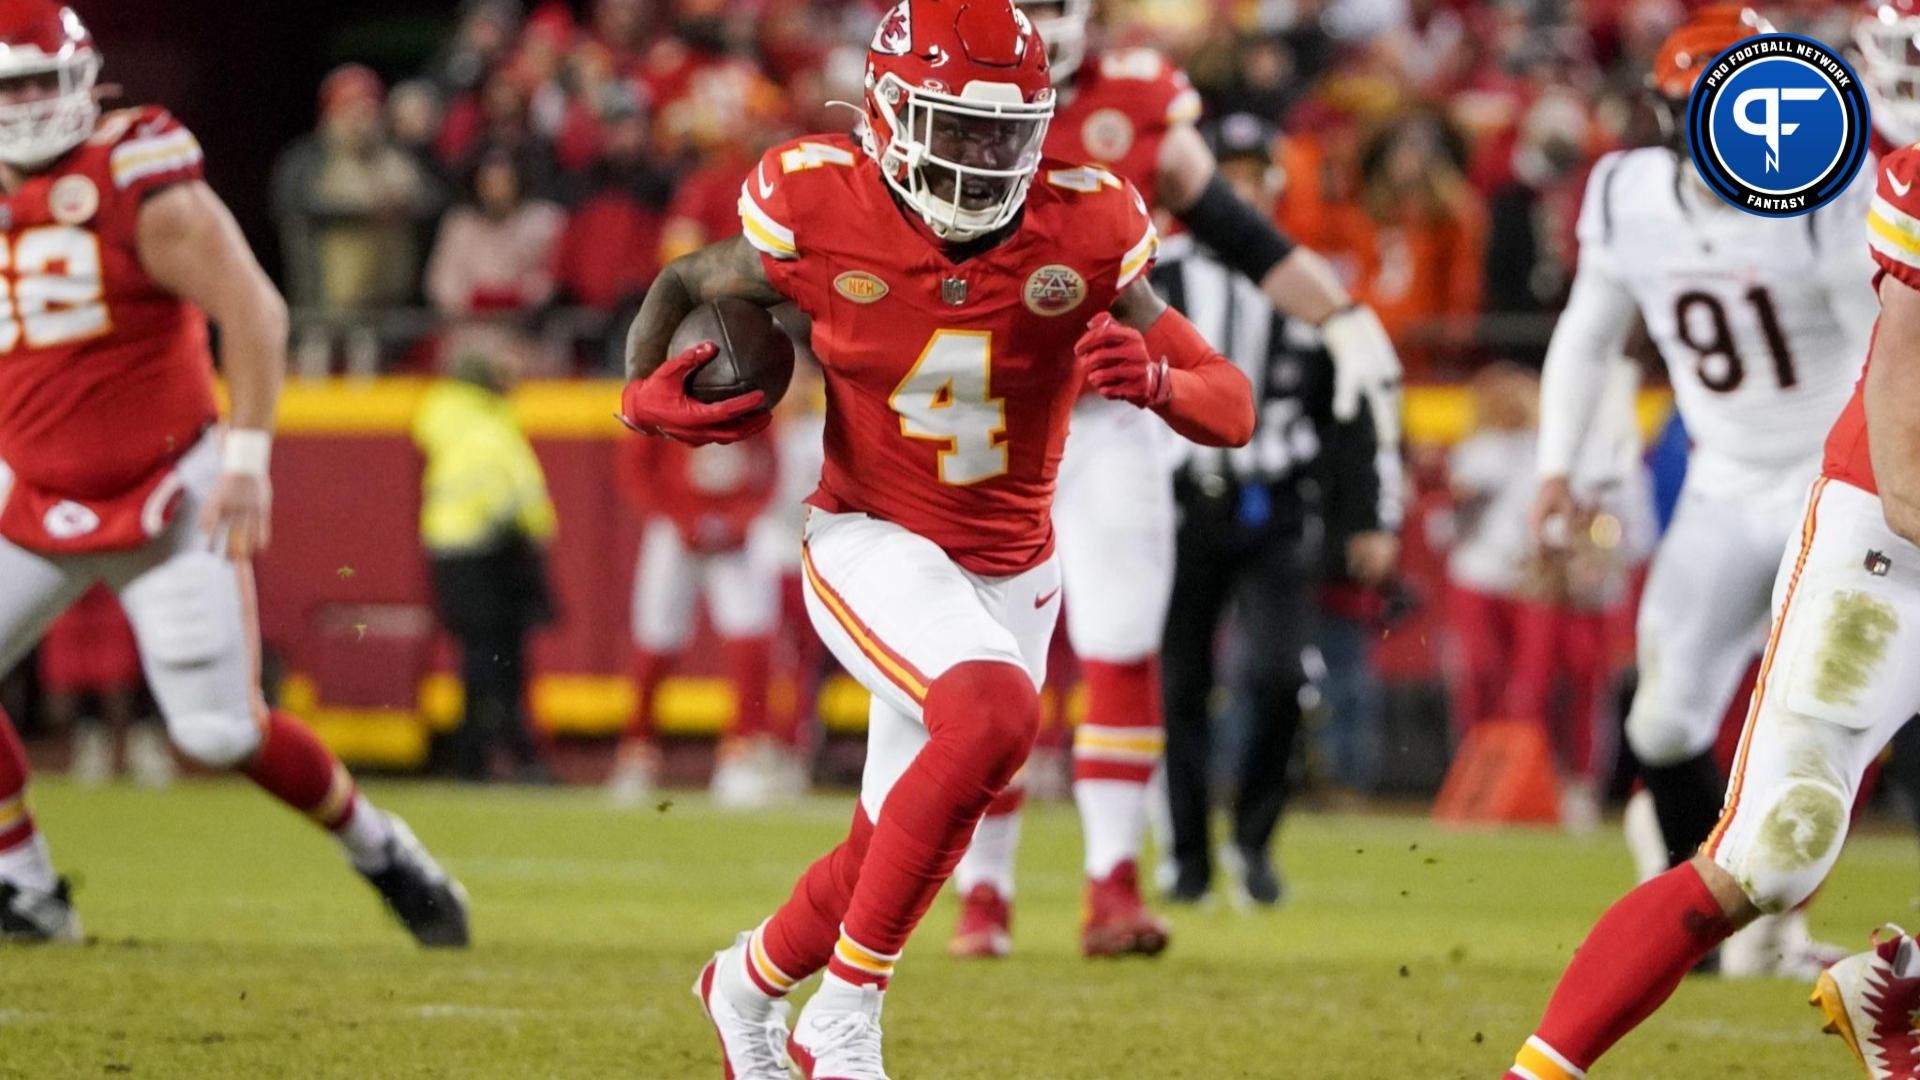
91 763
27 915
636 775
149 758
746 775
1753 951
752 1030
1869 1005
1802 958
834 1043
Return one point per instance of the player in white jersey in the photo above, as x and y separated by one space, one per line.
1763 324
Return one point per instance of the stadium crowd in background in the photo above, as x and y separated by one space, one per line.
1434 150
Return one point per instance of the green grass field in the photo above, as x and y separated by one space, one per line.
231 941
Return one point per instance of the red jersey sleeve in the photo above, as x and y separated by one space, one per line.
1893 222
1141 238
151 151
772 199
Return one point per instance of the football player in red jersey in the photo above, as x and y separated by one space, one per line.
1836 682
700 504
961 290
116 467
1133 112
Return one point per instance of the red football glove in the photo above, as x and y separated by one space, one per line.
660 405
1116 362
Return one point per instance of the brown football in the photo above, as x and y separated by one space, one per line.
754 354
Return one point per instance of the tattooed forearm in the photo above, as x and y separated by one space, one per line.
728 268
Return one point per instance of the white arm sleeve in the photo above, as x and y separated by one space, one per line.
1589 336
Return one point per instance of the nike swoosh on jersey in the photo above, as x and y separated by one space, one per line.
766 189
1899 188
1045 598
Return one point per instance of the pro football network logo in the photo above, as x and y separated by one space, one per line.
1778 125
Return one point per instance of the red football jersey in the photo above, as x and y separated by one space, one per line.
948 384
711 494
1893 234
1117 111
104 376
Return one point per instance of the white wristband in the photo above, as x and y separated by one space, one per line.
245 451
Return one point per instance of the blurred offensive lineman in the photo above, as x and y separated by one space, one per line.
1132 112
115 469
1836 682
962 290
1763 324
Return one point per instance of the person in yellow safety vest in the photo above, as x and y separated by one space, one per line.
485 518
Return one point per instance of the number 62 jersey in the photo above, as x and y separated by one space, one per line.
949 379
105 377
1763 322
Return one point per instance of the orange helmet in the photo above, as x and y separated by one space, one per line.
1691 47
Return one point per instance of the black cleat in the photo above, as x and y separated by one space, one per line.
28 917
431 905
1190 884
1259 880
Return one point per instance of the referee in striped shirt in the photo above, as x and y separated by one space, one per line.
1262 527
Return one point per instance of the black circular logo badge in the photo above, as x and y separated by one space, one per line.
1777 125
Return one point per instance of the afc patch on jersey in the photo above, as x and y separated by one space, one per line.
1054 289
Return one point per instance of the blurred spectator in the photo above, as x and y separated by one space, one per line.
608 253
702 89
1431 47
485 518
730 130
348 201
496 120
414 115
620 27
481 42
1530 247
1413 243
88 659
494 250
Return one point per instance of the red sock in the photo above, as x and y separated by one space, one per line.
1123 734
748 661
981 718
799 939
294 766
649 668
16 824
1629 965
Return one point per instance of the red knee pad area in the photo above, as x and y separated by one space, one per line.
983 716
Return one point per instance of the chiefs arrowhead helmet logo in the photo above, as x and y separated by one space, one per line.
895 35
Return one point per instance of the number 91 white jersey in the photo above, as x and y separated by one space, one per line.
1763 322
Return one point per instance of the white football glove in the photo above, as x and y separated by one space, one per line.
1365 367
